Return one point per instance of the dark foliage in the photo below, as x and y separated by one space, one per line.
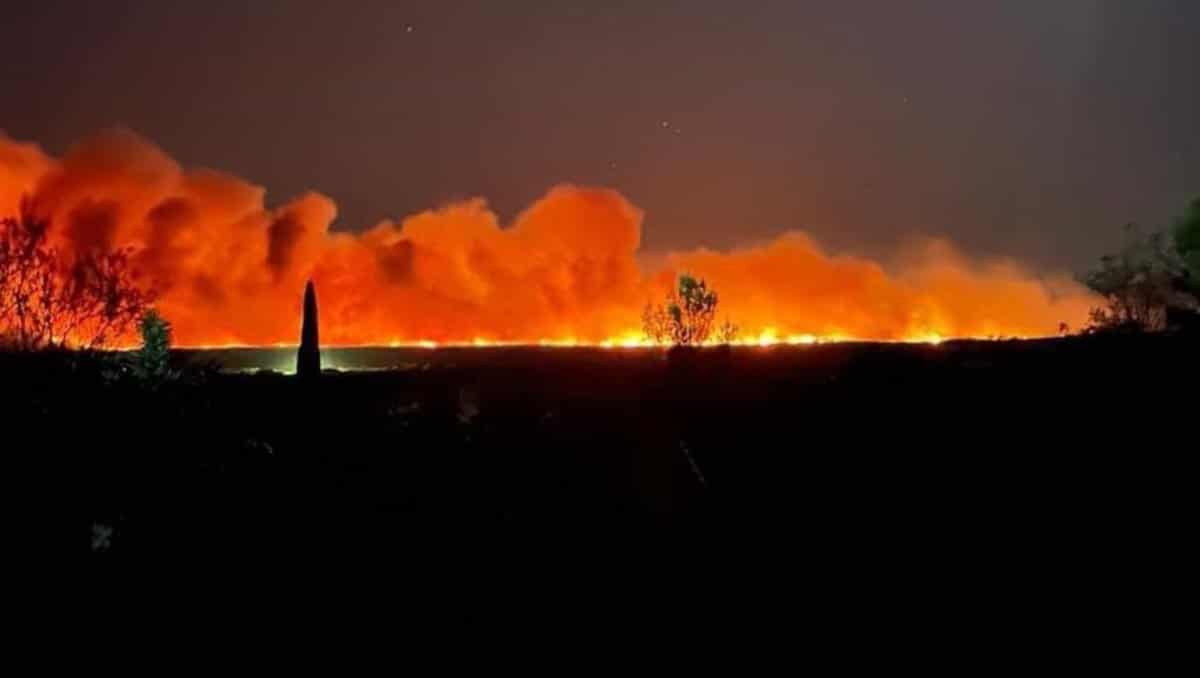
687 316
152 361
1187 243
49 298
1139 284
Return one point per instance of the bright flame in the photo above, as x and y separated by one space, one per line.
765 339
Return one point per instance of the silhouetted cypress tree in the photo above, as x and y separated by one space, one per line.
308 359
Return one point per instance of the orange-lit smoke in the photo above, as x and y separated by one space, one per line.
231 270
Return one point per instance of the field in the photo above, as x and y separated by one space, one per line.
967 451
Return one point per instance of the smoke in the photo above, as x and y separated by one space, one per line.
231 270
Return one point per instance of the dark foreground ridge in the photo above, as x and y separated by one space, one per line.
1016 484
955 447
898 465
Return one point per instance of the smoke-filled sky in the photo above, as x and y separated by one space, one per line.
520 171
1024 128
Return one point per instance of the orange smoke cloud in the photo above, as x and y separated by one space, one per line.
230 269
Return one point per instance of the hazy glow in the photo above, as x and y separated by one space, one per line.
626 341
568 271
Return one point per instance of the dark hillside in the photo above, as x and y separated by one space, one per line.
963 452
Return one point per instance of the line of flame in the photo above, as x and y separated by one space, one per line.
764 339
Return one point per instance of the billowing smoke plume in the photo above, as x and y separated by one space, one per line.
230 269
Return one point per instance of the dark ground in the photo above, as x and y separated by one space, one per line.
881 470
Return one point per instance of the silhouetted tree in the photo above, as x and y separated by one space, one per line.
1138 284
686 319
308 358
1187 244
49 299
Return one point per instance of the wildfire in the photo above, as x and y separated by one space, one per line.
625 341
566 272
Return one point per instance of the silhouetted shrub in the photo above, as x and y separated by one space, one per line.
656 324
152 362
727 333
1138 284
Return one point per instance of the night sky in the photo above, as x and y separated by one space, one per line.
1029 128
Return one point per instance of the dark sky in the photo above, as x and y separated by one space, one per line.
1031 128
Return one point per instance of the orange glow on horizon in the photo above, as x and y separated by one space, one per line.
764 340
567 271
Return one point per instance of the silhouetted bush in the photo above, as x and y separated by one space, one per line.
1139 284
152 362
727 333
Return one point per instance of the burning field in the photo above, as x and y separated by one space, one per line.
569 269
